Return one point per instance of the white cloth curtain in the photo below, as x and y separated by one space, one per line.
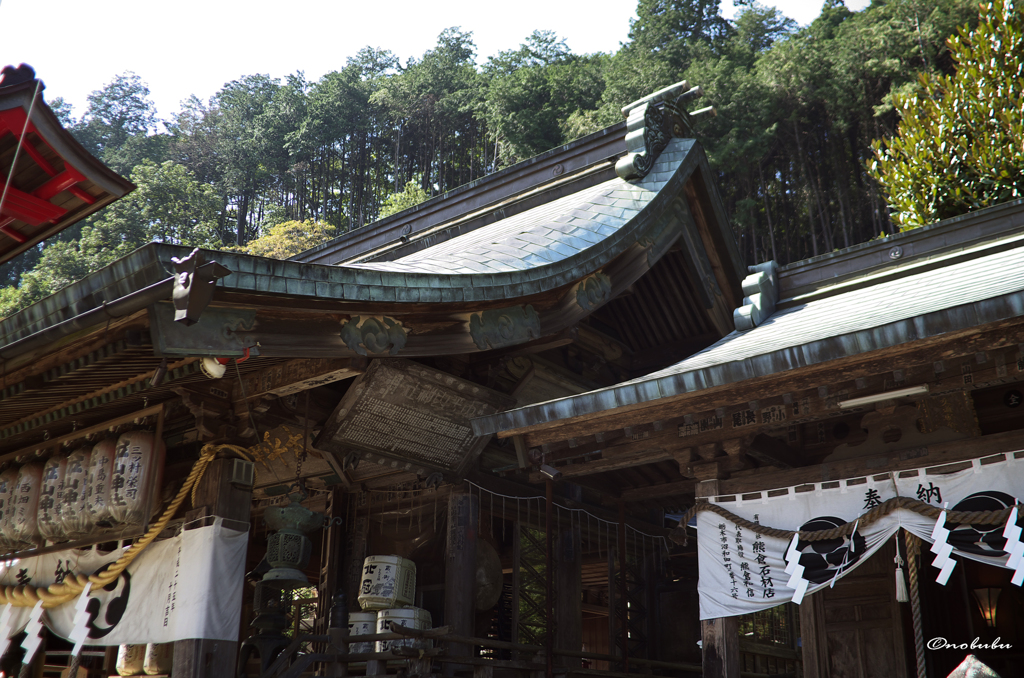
742 571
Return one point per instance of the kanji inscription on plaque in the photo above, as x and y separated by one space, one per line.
411 416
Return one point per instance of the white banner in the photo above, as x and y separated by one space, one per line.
743 571
181 588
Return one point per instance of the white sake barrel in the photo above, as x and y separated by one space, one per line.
138 463
130 660
50 525
74 518
25 521
410 617
159 659
362 624
97 492
8 482
388 581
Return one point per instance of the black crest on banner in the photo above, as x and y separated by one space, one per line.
104 615
983 540
824 558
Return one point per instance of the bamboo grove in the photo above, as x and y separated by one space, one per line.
798 111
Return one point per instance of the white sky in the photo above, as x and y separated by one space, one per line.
195 46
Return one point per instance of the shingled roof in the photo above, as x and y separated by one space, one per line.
954 275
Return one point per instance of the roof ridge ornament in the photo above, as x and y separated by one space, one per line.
11 76
649 129
760 294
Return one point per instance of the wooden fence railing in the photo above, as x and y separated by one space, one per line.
338 662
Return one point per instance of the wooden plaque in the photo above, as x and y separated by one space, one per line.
413 416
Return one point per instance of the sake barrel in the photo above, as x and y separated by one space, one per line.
97 491
388 581
8 481
159 659
410 617
362 624
50 525
74 518
130 660
25 520
138 463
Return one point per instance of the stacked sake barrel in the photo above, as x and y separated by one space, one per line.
72 496
388 590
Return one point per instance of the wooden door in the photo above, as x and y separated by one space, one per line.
855 630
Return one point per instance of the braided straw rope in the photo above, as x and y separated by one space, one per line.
913 558
885 508
56 595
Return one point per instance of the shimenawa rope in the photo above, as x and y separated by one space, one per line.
56 595
678 535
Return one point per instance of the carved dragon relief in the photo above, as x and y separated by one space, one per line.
651 123
374 335
497 328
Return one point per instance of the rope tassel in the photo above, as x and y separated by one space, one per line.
901 584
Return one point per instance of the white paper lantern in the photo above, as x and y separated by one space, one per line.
50 525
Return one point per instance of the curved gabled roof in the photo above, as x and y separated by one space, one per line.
517 280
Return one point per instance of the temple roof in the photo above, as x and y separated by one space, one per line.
947 277
56 182
516 280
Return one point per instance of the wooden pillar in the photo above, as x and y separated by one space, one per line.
356 537
623 607
549 582
331 562
613 602
460 573
569 595
720 647
215 496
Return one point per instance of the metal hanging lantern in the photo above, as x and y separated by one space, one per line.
288 549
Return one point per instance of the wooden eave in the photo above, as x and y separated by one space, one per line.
47 154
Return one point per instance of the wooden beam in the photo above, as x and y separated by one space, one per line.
662 491
612 462
295 376
522 456
808 405
931 455
925 352
215 496
770 451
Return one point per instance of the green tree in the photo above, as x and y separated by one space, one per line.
289 238
241 146
958 146
119 111
410 197
535 90
169 205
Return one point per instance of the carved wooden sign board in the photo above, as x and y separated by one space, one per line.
412 417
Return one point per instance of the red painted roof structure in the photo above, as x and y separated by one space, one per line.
48 181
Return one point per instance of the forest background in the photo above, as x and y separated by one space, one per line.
273 166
